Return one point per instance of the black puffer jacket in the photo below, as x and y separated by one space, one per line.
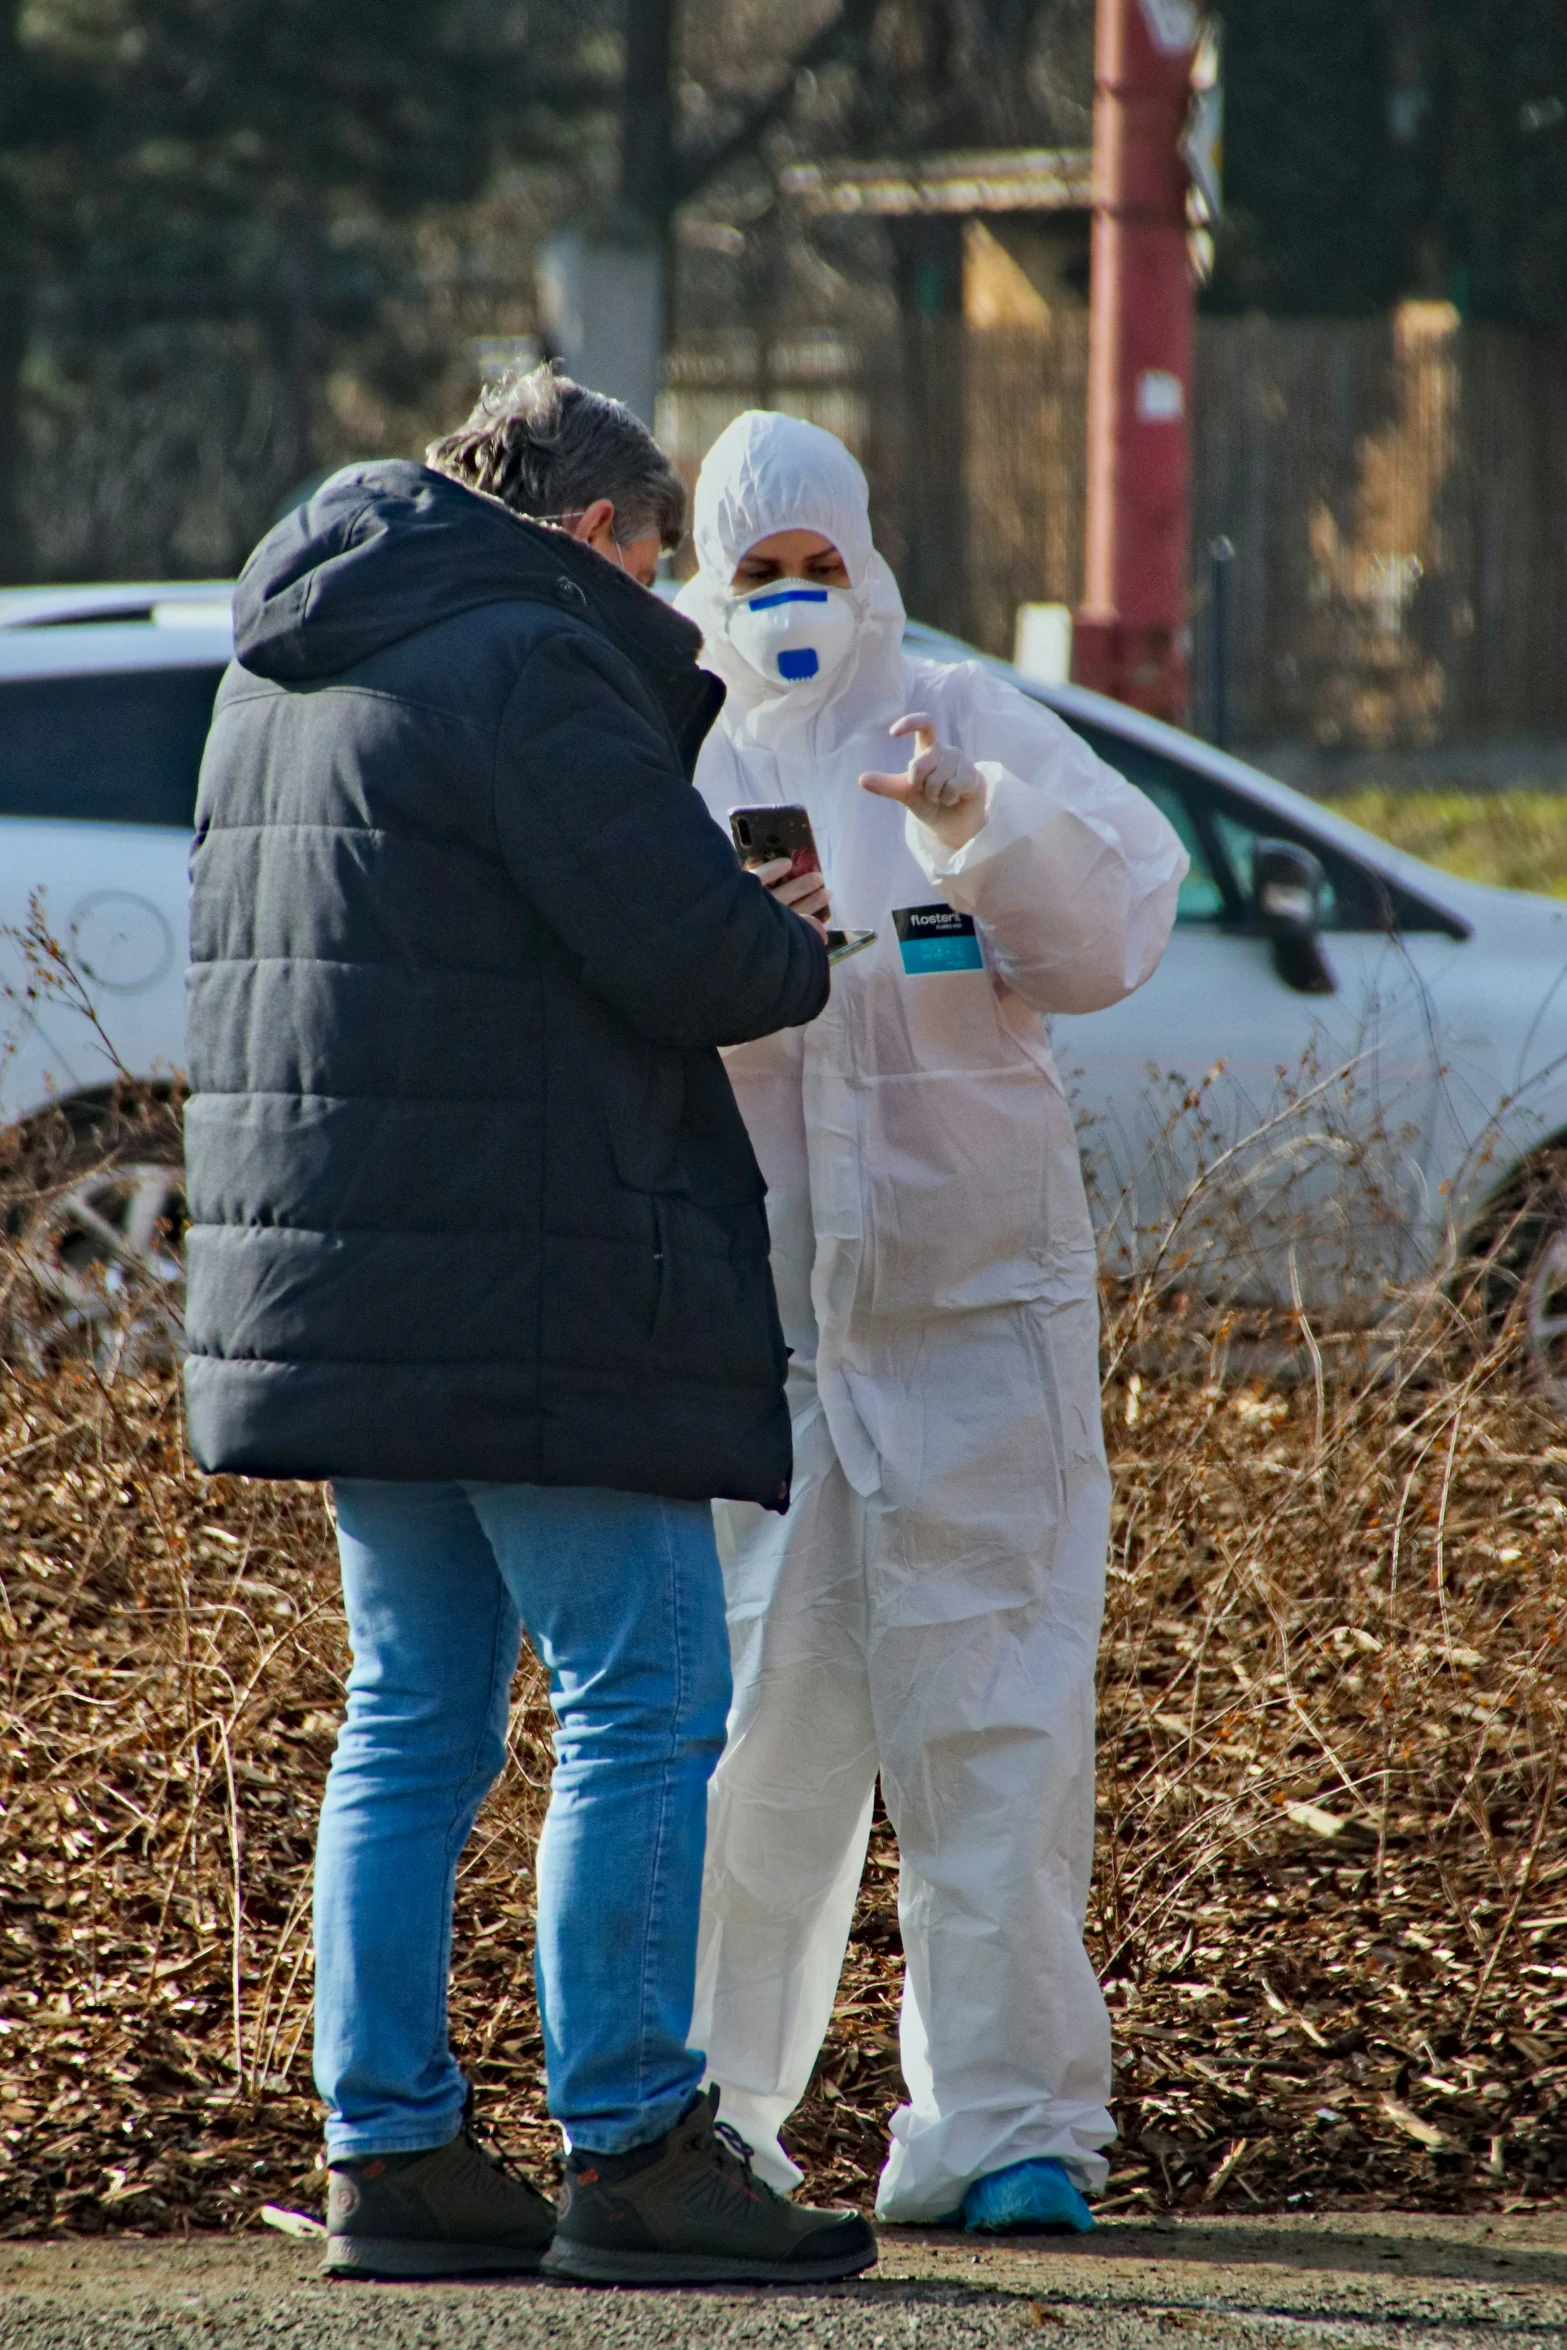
470 1195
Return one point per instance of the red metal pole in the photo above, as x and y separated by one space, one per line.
1130 636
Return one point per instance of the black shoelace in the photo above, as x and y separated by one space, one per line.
733 2149
500 2166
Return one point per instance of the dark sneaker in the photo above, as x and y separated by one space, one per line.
455 2211
688 2210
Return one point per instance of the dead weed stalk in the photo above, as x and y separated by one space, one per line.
1331 1898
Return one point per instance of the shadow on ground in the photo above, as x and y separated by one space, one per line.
1531 2249
1349 2281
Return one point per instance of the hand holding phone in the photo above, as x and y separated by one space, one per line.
802 890
779 847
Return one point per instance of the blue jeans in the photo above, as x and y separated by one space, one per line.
622 1599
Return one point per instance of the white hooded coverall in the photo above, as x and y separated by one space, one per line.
930 1605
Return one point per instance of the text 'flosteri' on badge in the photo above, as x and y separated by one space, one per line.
934 938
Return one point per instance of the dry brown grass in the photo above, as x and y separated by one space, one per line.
1331 1901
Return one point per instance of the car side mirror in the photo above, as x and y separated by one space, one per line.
1287 886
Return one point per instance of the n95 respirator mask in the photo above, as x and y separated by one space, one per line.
792 633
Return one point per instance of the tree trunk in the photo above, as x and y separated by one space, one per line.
928 267
16 548
647 179
16 543
302 342
648 190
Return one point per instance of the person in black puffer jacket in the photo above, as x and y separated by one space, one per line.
470 1195
477 1234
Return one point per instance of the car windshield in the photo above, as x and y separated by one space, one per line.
122 747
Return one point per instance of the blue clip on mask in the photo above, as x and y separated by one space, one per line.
791 633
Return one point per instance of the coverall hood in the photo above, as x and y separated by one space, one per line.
764 473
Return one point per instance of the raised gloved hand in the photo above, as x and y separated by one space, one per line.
941 786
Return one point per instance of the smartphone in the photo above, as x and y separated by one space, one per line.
762 834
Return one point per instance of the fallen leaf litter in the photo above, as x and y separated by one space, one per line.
1331 1896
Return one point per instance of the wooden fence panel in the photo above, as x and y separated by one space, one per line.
1395 491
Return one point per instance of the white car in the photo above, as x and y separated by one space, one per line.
105 700
1347 1062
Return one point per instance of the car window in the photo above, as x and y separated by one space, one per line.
1209 893
1201 898
1220 830
123 747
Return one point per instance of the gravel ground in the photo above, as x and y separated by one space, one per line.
1346 2280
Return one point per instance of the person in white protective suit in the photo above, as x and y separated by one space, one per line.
929 1607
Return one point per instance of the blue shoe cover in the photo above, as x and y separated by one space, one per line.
1035 2194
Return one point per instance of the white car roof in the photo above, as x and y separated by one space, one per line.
201 600
78 631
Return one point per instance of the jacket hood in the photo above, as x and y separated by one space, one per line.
768 472
384 549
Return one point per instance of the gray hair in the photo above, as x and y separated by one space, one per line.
545 447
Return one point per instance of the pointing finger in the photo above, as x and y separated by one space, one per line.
916 722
